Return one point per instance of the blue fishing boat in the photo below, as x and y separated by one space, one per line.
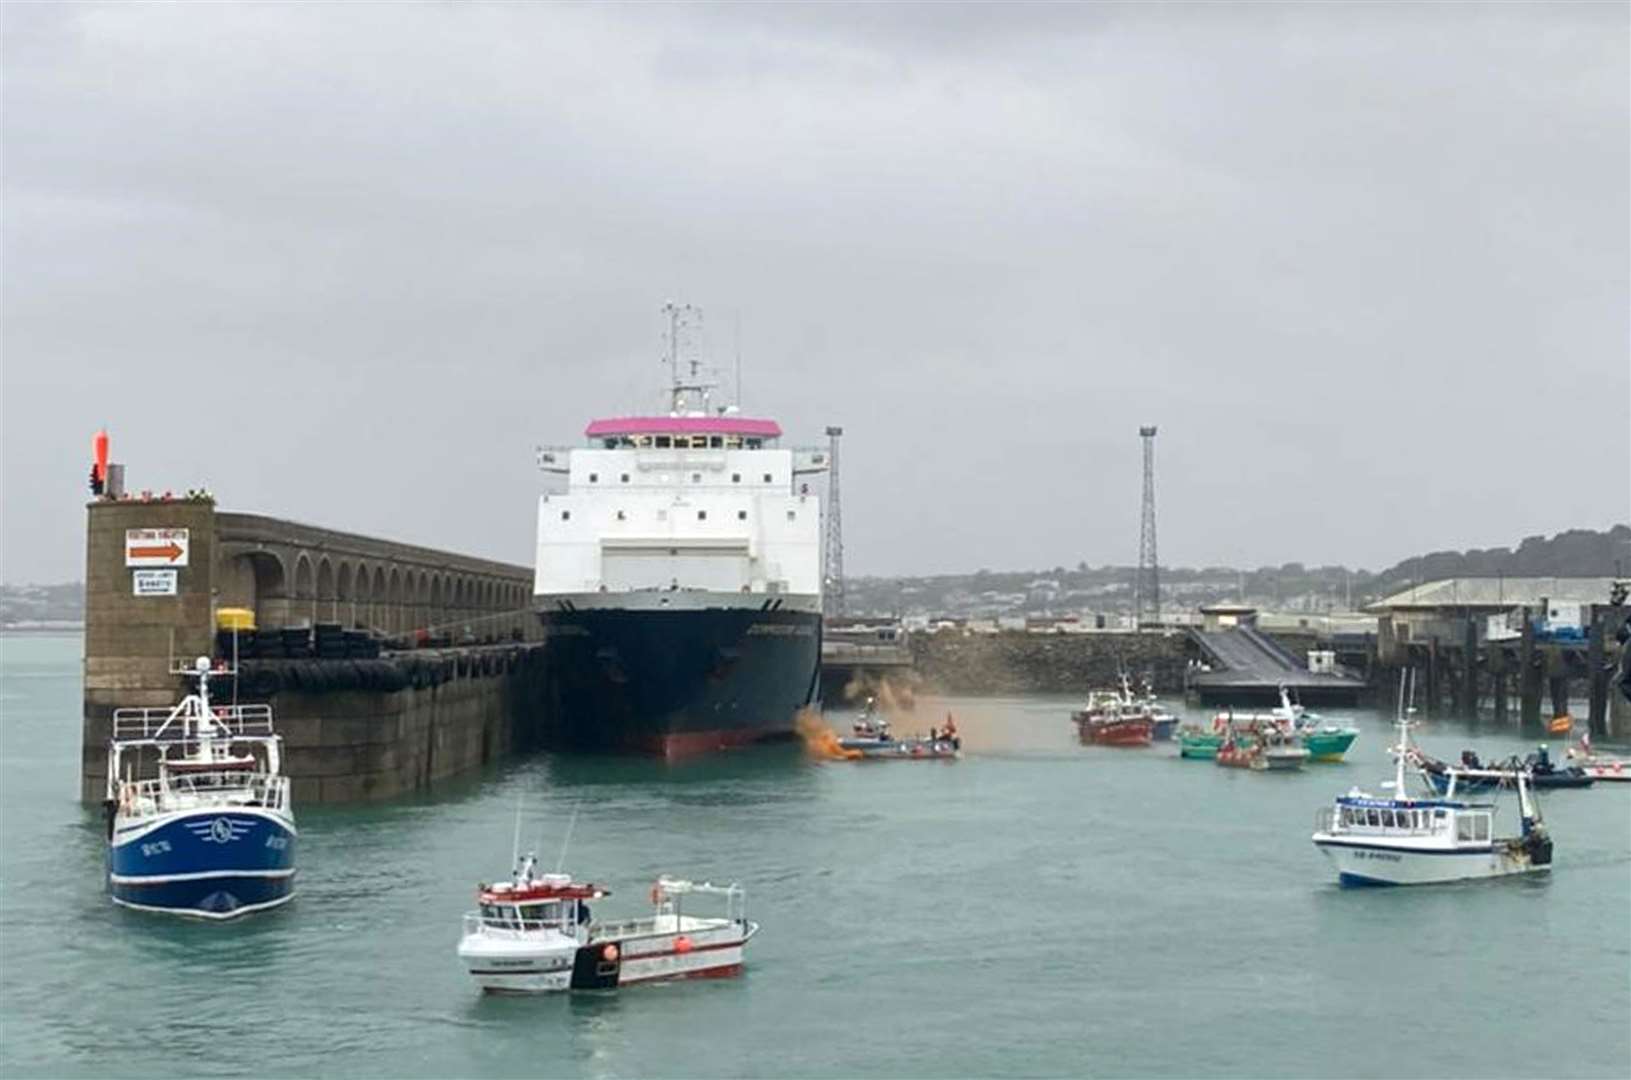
199 817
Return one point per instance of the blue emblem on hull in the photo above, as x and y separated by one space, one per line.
214 863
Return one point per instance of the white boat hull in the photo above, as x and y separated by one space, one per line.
1358 864
524 964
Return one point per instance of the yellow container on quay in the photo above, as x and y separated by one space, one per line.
234 618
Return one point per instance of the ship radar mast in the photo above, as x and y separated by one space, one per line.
688 395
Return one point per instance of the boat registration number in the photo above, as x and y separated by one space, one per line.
1385 856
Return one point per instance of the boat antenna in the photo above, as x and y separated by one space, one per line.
738 358
515 846
570 825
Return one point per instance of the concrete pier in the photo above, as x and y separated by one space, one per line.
158 570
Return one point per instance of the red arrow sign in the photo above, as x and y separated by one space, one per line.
171 551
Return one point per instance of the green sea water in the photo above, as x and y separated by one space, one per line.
1037 908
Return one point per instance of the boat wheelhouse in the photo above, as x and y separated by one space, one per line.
211 834
538 934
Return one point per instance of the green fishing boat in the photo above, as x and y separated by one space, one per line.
1328 743
1197 742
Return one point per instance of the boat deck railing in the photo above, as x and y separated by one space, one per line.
226 789
166 725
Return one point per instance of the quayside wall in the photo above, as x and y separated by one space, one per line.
373 727
1018 662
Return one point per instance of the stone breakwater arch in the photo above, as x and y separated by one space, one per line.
292 574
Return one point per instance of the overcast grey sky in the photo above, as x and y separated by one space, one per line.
1366 266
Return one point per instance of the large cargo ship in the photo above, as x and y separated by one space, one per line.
679 577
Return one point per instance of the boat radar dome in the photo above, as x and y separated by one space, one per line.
202 664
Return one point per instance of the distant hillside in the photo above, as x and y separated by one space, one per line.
1293 587
26 605
1576 553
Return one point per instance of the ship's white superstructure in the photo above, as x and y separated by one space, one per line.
682 503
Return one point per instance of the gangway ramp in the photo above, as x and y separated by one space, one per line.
1243 666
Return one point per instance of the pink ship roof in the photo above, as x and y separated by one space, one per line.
684 425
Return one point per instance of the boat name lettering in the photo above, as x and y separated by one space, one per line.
780 630
277 843
1386 856
157 847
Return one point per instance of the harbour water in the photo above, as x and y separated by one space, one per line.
1037 908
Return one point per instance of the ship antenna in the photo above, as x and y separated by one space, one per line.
570 825
738 358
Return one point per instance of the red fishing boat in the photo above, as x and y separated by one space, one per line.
1112 725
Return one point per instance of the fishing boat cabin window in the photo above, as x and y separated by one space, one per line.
594 478
736 478
1472 828
541 914
664 442
625 478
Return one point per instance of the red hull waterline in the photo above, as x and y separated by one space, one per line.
724 971
1119 734
678 745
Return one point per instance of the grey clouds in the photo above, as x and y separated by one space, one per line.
1365 265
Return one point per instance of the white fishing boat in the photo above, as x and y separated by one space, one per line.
1397 840
536 933
1597 765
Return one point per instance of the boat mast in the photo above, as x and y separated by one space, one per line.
1404 737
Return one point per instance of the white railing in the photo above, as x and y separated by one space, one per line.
225 788
168 724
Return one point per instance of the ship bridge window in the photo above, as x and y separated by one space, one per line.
1463 827
733 442
767 478
664 442
715 441
594 478
741 515
1372 818
622 516
566 515
702 515
736 478
696 478
624 478
792 515
754 444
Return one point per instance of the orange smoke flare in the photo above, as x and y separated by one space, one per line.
820 740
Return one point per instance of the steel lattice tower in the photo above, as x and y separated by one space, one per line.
833 571
1147 585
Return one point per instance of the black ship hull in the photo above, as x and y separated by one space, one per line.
677 682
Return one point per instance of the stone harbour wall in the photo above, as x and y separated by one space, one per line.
347 742
1017 662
